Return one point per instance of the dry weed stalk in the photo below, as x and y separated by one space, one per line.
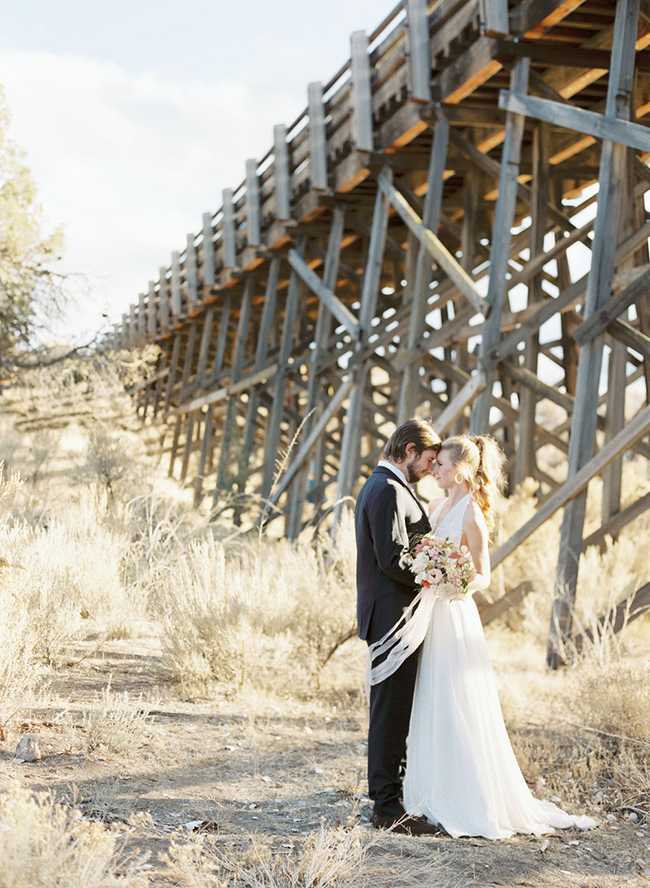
115 722
43 844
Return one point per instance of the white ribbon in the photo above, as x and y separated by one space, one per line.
401 640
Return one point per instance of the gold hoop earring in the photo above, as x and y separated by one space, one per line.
458 478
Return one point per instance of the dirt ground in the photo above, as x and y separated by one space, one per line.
276 770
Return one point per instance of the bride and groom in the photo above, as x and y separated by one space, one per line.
431 682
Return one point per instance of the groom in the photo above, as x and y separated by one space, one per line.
386 514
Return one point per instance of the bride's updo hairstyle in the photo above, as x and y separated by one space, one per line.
479 460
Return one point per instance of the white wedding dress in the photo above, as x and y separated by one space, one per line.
461 771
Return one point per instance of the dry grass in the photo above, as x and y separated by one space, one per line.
44 844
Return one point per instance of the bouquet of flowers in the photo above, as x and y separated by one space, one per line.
442 566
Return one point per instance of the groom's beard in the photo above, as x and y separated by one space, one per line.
412 476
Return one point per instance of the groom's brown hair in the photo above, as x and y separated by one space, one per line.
413 431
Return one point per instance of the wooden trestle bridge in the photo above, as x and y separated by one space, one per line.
456 228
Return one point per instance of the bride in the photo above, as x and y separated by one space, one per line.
461 772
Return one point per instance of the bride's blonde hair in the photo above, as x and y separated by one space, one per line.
479 460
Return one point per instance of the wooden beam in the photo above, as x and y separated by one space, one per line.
338 309
177 306
208 251
419 50
253 215
473 387
598 322
317 138
228 235
282 175
307 445
597 125
499 250
362 127
636 429
433 244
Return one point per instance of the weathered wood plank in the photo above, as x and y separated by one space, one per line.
338 309
417 18
362 127
597 125
433 244
578 482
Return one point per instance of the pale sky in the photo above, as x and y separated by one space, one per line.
135 115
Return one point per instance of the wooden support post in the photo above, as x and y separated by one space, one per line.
174 448
362 128
350 445
206 336
151 311
499 251
419 50
191 271
222 338
228 234
410 383
208 251
142 315
616 370
203 459
163 300
317 138
525 453
583 426
188 363
261 353
494 17
177 306
274 435
189 441
282 176
133 326
235 374
321 338
173 369
253 217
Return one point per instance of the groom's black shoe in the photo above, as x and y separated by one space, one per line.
405 825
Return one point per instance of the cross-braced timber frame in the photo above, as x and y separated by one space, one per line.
455 227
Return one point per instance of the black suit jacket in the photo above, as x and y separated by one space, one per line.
386 514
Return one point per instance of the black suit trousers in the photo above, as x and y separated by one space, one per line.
390 711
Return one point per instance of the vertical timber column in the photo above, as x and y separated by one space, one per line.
228 230
173 368
500 248
423 269
277 409
208 251
235 375
164 319
525 451
282 175
352 430
616 370
314 387
253 217
419 50
583 426
261 354
361 92
317 141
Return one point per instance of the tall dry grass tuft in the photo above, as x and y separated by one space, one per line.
328 858
44 844
266 613
115 722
